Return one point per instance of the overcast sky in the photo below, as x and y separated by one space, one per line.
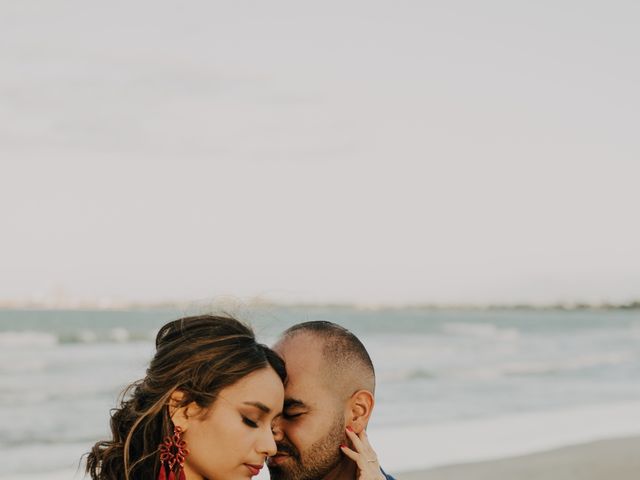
380 152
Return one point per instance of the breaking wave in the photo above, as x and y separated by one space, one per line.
481 330
31 339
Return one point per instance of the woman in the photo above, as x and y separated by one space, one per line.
203 410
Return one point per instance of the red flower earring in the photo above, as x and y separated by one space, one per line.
173 451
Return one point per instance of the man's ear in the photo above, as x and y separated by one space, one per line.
360 408
181 415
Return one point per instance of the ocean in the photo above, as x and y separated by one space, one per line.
453 385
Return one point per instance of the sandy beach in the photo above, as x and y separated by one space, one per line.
617 459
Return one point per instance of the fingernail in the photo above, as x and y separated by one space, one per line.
349 428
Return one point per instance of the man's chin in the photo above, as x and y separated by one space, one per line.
281 467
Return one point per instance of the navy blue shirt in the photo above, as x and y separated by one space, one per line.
387 476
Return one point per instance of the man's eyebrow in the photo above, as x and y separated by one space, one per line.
293 403
259 405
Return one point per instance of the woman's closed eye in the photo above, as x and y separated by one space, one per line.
250 423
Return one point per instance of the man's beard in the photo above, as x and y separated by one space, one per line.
314 463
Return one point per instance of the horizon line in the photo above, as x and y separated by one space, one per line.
259 303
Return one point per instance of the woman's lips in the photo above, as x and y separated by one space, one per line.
254 469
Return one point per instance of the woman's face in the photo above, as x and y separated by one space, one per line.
232 439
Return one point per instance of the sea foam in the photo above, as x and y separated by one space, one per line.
27 339
423 446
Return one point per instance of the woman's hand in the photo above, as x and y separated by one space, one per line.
364 456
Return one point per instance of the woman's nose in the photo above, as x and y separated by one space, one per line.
269 447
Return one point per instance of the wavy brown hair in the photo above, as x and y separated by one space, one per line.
198 356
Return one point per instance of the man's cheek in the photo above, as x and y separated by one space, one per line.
294 429
309 431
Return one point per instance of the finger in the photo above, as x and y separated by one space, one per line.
366 470
357 443
364 438
355 456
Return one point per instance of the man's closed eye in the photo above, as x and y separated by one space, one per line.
290 416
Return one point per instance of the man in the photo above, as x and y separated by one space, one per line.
329 397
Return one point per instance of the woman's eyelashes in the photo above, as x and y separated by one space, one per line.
250 423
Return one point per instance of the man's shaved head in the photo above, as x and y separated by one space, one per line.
346 365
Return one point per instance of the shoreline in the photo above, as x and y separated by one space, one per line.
429 446
615 458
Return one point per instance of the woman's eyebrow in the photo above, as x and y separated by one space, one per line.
259 405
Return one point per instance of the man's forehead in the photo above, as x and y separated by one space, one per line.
302 354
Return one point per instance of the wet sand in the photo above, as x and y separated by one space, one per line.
615 459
